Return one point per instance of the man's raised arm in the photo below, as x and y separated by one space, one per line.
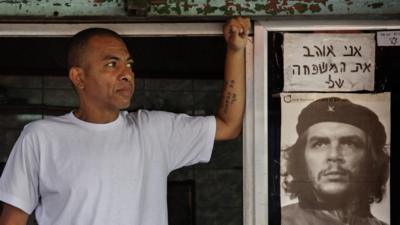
231 109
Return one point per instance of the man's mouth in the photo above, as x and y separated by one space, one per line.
333 175
127 91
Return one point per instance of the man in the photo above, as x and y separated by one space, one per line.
100 165
338 165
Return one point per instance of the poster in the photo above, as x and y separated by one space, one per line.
332 132
329 62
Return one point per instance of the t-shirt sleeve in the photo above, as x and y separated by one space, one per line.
19 181
189 139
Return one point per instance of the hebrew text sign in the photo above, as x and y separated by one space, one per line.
329 62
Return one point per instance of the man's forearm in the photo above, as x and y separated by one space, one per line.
231 108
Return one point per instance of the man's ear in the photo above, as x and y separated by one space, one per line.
76 77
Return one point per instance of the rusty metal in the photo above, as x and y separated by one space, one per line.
197 8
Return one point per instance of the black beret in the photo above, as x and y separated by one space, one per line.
335 109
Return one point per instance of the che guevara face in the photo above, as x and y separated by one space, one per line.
335 155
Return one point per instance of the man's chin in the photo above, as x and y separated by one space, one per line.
123 107
334 192
124 104
335 189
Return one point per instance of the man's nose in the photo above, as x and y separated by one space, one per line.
127 74
334 153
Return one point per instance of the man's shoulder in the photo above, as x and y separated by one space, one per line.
143 113
47 123
377 221
293 214
160 122
147 117
147 120
290 208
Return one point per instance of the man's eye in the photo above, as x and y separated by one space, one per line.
111 64
129 65
318 144
351 144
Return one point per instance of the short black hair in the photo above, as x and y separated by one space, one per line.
79 42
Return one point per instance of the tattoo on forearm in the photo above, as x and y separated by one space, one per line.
227 101
230 99
234 99
230 83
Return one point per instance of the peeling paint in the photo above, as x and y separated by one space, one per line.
271 7
330 7
301 7
315 8
46 8
349 2
14 1
199 7
376 5
260 7
164 10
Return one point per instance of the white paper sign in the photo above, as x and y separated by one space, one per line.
388 38
329 62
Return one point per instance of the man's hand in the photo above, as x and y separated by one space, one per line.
231 108
236 31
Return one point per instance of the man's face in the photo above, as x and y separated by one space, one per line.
107 74
335 156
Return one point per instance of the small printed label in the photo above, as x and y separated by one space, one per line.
388 38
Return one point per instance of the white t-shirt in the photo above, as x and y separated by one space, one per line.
74 172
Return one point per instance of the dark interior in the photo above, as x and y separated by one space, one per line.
155 57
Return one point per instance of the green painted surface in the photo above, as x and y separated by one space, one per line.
61 8
117 8
275 7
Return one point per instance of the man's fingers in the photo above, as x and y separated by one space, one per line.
245 21
242 23
245 24
236 30
233 29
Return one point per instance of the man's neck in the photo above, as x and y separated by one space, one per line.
343 207
93 116
352 207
